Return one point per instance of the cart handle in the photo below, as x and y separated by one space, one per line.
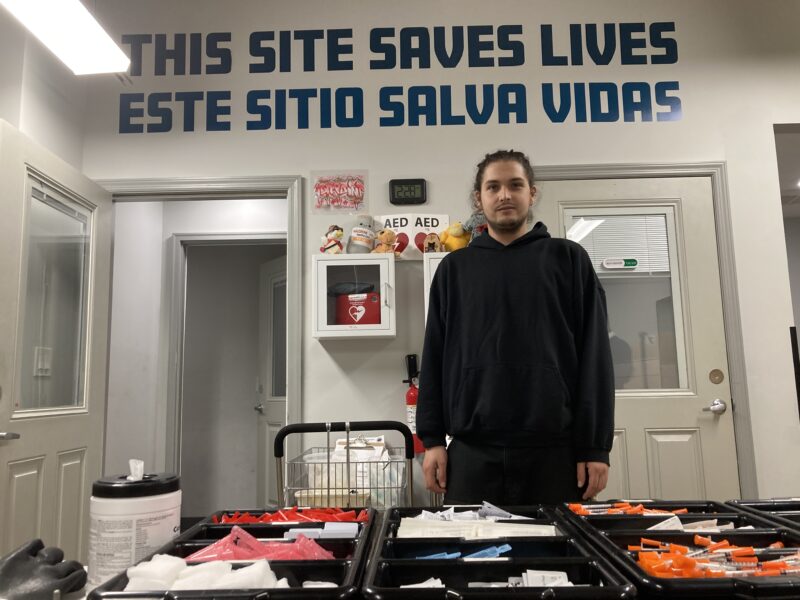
343 426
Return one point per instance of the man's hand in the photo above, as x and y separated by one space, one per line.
434 466
598 477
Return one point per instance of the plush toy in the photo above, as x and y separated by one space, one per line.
385 241
476 225
454 237
332 241
432 243
362 238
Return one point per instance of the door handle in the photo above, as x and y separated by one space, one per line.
717 407
259 408
8 435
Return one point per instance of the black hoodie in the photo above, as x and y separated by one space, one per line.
516 348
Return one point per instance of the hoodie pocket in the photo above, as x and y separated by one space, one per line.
512 397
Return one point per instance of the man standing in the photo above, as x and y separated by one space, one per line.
516 365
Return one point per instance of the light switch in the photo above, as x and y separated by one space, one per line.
42 361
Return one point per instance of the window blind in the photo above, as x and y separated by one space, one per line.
643 237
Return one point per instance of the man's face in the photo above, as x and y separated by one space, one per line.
506 196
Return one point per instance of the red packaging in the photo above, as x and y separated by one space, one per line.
358 309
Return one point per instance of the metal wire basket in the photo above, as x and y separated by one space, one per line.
348 476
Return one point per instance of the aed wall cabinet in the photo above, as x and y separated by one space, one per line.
430 262
353 295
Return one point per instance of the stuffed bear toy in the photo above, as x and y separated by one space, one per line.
454 237
331 241
362 238
385 241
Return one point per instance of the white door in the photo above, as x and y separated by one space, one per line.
55 248
653 244
271 406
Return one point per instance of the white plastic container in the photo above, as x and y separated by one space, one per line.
130 520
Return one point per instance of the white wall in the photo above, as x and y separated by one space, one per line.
136 422
736 81
38 94
12 43
52 104
219 431
133 427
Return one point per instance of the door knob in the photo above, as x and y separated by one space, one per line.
8 435
717 407
259 408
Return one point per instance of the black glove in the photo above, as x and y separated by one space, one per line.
33 572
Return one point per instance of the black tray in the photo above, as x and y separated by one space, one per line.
391 565
534 514
697 511
263 531
257 512
297 572
346 570
693 507
784 513
644 522
615 544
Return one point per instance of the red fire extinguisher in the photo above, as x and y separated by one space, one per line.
411 400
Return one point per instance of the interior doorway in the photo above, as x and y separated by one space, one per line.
222 378
153 222
787 147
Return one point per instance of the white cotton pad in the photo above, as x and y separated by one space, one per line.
256 576
200 581
162 566
217 568
282 583
270 580
140 584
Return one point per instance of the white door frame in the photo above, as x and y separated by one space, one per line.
177 247
224 188
717 172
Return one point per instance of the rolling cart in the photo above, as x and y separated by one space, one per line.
361 472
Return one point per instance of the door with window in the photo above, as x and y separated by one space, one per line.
55 246
653 244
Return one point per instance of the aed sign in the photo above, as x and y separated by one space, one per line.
411 230
620 263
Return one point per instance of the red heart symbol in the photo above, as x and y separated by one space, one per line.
419 240
401 243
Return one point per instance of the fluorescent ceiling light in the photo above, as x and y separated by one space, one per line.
71 33
581 228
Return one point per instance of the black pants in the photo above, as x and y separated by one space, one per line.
510 476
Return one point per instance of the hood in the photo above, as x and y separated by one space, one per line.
484 240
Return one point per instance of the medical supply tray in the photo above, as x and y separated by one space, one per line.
396 561
345 570
611 535
784 512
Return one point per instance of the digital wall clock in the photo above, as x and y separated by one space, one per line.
407 191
